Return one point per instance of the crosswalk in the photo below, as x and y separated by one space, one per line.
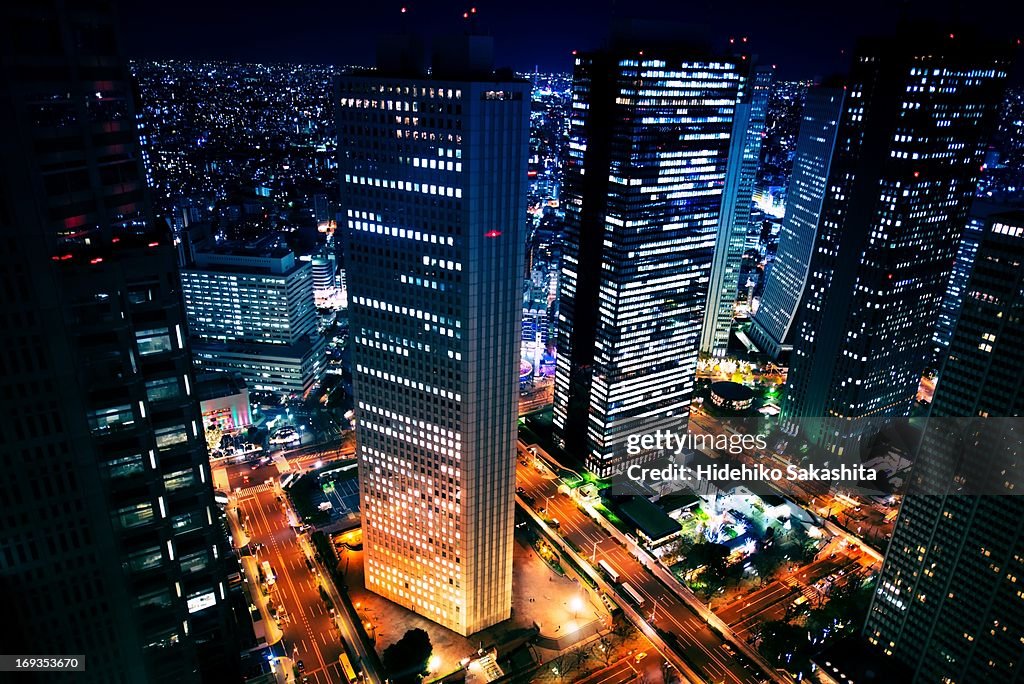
254 490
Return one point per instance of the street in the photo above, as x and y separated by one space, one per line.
309 631
665 610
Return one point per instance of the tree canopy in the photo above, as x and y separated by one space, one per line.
406 659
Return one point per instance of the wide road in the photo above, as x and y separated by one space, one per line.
771 601
309 632
704 649
648 669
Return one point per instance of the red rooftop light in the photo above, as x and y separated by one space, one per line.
154 244
492 234
97 260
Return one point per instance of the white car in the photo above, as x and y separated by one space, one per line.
285 435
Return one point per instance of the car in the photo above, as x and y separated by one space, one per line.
301 665
245 478
727 647
520 490
640 656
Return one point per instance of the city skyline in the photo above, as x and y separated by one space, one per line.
686 363
805 39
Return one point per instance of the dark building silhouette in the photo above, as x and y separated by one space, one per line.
110 547
909 149
948 602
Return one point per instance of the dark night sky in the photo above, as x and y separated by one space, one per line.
804 38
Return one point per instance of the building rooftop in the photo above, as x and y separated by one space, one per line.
854 661
653 522
677 501
773 500
217 385
732 391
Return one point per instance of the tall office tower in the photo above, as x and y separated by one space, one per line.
908 153
251 312
647 161
949 593
734 219
949 309
433 194
109 547
773 322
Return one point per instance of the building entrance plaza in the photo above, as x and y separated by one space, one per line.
565 610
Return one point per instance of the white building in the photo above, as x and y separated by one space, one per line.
251 312
433 193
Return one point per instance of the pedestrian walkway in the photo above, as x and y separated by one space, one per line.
254 490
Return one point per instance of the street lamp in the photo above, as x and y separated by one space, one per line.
575 605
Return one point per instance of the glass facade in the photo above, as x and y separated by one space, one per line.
648 152
949 594
773 321
734 219
910 146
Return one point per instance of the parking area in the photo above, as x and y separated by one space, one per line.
343 495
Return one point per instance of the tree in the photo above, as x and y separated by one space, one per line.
406 659
768 558
804 547
622 629
785 645
708 554
605 647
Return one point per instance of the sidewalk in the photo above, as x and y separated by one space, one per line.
252 574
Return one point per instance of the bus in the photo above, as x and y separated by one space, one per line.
347 669
268 573
612 575
631 592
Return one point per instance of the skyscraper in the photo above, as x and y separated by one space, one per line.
648 149
773 322
433 192
966 251
734 218
908 154
109 548
251 312
948 602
